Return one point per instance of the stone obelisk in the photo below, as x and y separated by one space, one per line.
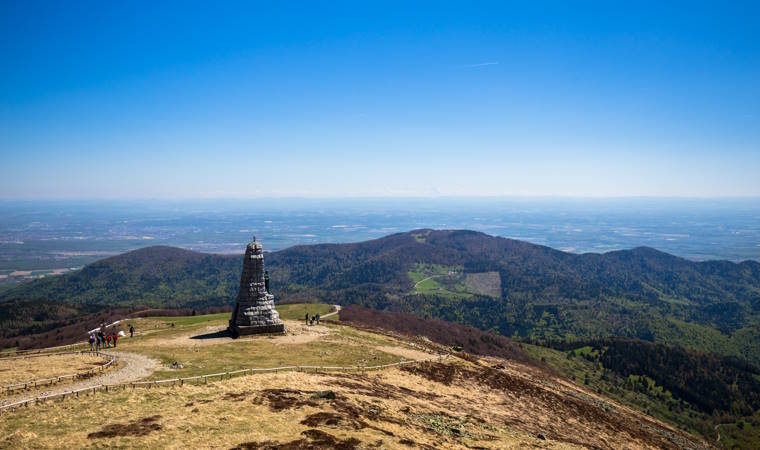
254 308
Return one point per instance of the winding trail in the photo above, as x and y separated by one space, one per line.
425 279
337 310
136 368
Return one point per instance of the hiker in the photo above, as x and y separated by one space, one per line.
317 318
307 318
92 341
312 319
131 331
97 341
108 341
115 337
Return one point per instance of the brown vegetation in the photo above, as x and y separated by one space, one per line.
140 427
313 439
449 334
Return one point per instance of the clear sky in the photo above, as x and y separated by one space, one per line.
222 99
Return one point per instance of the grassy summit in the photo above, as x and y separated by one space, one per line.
200 344
459 402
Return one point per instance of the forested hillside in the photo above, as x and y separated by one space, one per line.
543 294
514 288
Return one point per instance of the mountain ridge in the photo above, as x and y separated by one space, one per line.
544 294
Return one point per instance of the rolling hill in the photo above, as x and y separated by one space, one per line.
511 287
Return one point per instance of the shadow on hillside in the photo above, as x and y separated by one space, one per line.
215 335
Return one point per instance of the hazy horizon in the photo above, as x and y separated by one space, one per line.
49 235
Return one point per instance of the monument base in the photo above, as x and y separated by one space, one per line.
238 330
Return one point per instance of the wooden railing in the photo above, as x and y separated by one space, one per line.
40 351
204 379
9 389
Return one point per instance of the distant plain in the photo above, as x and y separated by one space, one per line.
37 237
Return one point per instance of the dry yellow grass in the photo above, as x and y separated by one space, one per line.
20 370
455 404
451 404
240 411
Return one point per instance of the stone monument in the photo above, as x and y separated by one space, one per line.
254 308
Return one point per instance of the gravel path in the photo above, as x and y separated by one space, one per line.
337 310
133 367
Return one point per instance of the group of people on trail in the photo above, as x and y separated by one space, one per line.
312 320
100 339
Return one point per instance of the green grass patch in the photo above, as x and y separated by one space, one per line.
297 311
742 434
185 340
184 321
435 279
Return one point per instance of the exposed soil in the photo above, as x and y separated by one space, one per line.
281 399
375 388
484 283
296 332
313 439
324 419
236 396
139 427
200 402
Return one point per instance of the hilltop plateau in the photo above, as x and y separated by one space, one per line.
457 400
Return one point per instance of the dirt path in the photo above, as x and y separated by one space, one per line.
337 310
132 367
425 279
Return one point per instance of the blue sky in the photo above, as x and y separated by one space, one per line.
245 100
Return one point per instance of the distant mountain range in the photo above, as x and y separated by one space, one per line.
512 287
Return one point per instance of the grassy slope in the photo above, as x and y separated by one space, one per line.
456 404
